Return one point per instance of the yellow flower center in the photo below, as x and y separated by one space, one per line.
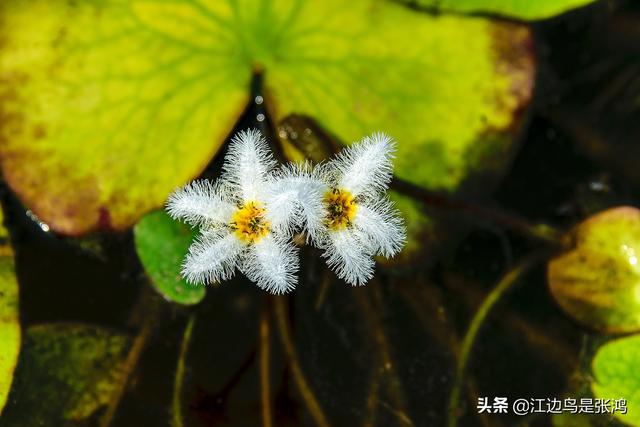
341 208
249 222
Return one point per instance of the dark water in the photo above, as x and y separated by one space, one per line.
587 90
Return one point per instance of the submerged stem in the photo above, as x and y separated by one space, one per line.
550 347
152 308
265 365
542 232
298 375
372 399
427 304
505 284
384 353
176 401
324 290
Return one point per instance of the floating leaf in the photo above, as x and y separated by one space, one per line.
616 375
9 315
66 373
451 110
105 107
598 281
162 244
523 9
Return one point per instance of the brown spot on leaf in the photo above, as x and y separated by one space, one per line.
514 62
39 131
60 37
104 219
514 56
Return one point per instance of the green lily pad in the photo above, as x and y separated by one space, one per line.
522 9
9 315
66 373
389 70
106 107
616 375
597 281
162 244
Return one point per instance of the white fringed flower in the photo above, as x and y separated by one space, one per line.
245 219
358 221
298 193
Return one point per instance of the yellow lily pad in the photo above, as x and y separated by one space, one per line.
9 315
597 281
106 107
450 90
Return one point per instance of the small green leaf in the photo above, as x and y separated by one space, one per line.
597 281
522 9
617 376
66 373
109 105
162 244
9 315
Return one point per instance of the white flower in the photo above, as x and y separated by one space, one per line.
357 220
248 216
244 223
298 194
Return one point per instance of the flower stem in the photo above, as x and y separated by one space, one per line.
387 366
549 346
505 284
324 290
176 402
427 304
298 375
265 367
151 311
372 399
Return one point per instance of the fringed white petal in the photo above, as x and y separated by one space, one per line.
365 168
348 254
382 226
294 200
213 257
199 202
248 165
272 263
